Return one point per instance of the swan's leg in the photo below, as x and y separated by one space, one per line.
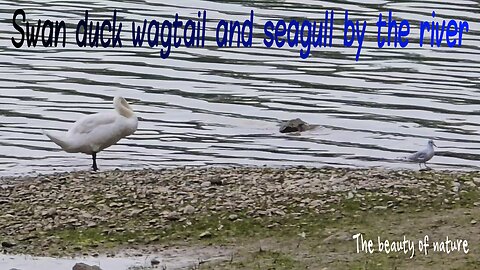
94 158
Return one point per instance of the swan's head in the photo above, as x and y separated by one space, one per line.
431 143
122 107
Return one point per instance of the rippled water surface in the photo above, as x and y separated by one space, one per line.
211 106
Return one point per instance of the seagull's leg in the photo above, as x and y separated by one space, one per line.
420 165
94 158
427 166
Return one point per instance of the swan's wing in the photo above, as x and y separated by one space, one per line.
89 123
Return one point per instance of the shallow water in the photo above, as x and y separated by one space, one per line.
25 262
211 106
174 258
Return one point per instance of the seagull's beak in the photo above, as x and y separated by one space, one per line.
435 145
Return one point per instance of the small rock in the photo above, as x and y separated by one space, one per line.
233 217
8 244
86 215
113 204
206 184
173 216
83 266
91 224
72 220
205 234
188 210
471 184
155 262
154 239
473 222
315 203
49 213
380 207
216 181
153 221
135 212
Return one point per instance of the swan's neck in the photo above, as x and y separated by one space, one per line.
122 107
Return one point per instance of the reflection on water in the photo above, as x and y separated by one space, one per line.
211 106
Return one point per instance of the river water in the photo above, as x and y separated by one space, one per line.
223 106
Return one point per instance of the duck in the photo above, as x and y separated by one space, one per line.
294 125
93 133
424 155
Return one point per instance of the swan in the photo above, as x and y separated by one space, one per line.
93 133
424 155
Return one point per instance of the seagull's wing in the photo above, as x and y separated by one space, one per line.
89 123
418 156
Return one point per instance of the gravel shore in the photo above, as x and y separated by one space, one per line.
91 213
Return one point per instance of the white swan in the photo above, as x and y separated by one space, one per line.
93 133
424 155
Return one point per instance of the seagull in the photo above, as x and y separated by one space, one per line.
424 155
93 133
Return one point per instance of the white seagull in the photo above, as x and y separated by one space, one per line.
424 155
93 133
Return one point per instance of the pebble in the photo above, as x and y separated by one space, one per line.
6 244
205 234
471 184
83 266
188 210
233 217
216 181
206 184
154 262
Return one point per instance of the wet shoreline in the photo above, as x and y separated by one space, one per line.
90 214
